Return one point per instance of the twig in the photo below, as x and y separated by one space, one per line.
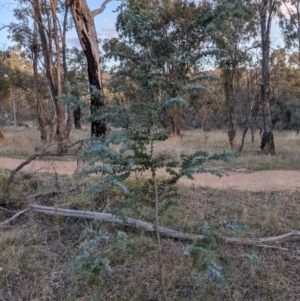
43 153
7 210
106 217
259 241
4 26
101 9
272 247
28 161
5 223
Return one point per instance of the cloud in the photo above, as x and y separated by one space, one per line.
107 31
287 8
73 41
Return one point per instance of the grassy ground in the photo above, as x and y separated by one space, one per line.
21 142
286 143
59 258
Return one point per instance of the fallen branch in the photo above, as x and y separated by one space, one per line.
5 223
28 161
272 247
7 210
43 153
106 217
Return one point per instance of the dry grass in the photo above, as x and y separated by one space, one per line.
287 149
21 142
38 254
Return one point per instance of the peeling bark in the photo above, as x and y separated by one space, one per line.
61 130
54 80
85 26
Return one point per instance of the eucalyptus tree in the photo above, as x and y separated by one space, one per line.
87 34
27 37
4 82
232 29
52 43
15 79
46 126
267 9
164 37
44 23
20 80
289 15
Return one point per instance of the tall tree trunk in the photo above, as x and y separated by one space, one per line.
174 116
77 117
266 11
85 26
175 129
248 109
51 129
61 130
232 127
39 107
14 106
228 75
68 118
54 81
244 136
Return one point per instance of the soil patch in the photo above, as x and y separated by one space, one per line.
269 180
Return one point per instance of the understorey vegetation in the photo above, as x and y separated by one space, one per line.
65 258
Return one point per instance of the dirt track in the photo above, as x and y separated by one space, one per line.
256 181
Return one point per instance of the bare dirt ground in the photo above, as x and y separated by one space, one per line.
270 180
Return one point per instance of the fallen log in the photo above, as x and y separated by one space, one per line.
106 217
43 153
26 162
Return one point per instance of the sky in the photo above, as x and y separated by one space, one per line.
105 22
